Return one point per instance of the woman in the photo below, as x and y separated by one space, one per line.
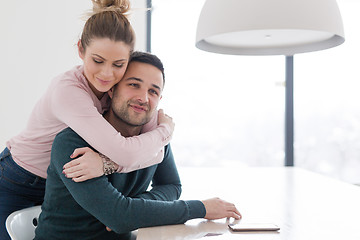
77 99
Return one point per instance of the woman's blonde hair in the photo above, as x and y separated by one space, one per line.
109 20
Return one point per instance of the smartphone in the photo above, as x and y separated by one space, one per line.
249 227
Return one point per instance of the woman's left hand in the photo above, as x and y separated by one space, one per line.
88 165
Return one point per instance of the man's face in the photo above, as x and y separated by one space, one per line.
137 95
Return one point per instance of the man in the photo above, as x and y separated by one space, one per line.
121 201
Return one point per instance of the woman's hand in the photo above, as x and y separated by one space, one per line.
88 165
164 118
217 208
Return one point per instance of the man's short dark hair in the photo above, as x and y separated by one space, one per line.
145 57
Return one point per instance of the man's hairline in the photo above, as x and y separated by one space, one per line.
148 63
133 61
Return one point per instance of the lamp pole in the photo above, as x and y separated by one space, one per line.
289 111
148 25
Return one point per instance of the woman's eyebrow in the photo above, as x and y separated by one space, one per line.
120 60
97 55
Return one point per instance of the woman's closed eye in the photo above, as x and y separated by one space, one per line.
97 61
119 65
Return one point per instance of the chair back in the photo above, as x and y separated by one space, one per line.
21 224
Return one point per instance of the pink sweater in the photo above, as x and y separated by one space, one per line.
69 101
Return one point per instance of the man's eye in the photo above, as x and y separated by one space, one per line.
154 92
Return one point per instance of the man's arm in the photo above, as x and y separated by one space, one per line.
166 185
108 205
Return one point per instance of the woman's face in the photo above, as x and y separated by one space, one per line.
105 62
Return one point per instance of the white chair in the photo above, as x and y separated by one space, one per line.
21 224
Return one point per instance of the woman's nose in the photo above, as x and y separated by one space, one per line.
107 71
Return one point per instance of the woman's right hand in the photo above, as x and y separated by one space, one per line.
87 164
164 118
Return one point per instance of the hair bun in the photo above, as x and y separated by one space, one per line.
123 6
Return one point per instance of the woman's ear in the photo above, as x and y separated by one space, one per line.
81 50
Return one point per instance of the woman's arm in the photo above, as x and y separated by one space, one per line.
88 164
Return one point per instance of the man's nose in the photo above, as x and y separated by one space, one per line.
143 96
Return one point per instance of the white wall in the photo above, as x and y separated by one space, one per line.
38 42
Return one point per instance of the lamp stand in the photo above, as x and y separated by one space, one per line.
289 111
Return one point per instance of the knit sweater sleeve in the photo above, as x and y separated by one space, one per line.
73 105
166 185
118 212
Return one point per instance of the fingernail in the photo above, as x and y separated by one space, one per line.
72 155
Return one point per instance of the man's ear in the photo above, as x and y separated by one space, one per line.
81 50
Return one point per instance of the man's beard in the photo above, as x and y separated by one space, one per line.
123 115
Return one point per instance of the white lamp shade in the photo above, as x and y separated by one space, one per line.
269 27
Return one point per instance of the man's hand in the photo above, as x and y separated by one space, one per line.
217 208
88 165
164 118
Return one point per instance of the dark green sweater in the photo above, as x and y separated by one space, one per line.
120 201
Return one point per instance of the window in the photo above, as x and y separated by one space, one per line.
229 110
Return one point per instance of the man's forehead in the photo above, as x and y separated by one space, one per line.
145 72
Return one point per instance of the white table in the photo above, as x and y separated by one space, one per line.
305 205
